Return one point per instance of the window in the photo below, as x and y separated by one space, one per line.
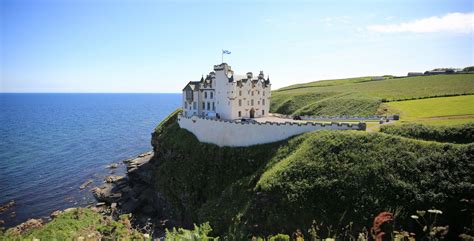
205 95
240 93
212 95
240 114
263 112
263 93
258 102
185 105
194 105
213 106
203 105
208 105
240 102
258 92
252 93
263 101
251 102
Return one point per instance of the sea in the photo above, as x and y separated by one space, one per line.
50 144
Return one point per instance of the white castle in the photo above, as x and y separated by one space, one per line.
223 95
213 109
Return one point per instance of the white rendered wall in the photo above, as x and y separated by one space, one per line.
231 133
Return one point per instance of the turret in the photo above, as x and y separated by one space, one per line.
249 75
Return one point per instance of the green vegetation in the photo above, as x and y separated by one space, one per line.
435 110
467 69
199 233
80 222
454 134
363 96
334 177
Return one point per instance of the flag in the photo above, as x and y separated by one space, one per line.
225 52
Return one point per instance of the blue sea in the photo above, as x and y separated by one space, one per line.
52 143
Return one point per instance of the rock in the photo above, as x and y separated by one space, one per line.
113 206
2 222
99 204
84 185
26 226
127 161
106 193
12 214
113 178
55 214
7 206
112 166
67 210
80 238
130 205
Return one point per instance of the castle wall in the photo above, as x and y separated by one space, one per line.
232 133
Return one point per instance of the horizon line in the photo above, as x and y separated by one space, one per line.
90 93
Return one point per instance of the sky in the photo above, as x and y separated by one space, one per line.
144 46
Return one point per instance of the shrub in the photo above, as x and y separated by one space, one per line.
279 237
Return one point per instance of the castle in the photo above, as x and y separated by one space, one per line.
213 109
223 95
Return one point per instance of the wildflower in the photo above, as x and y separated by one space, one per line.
435 211
382 218
414 216
421 212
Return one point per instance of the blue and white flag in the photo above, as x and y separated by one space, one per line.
225 52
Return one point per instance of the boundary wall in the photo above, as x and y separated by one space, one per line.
236 133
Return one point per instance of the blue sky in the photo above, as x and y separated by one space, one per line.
158 46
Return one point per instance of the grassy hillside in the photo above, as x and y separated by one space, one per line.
325 175
442 110
454 134
363 96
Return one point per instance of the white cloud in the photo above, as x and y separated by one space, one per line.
451 22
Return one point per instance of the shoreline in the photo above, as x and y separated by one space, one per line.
105 198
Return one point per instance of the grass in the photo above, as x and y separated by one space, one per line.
281 186
80 222
443 110
363 96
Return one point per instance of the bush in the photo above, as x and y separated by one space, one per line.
279 237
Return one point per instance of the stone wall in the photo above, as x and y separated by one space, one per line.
235 133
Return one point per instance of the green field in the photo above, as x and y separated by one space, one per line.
363 96
443 110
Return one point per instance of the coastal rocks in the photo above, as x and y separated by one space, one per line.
134 193
6 206
86 184
26 226
113 166
103 193
113 178
55 214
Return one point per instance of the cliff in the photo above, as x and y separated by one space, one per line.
329 176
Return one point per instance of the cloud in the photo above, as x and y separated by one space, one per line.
451 22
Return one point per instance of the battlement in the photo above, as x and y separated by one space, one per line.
238 133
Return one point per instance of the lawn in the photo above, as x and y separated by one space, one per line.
363 96
443 110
